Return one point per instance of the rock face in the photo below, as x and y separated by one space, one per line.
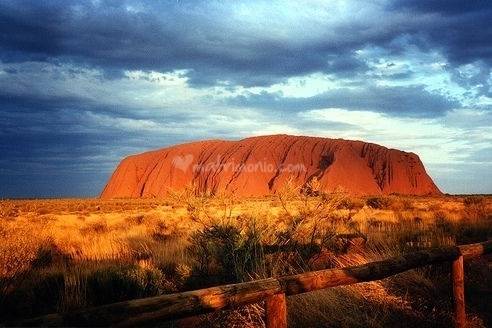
261 165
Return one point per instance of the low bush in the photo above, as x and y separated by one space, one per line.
124 282
378 202
215 249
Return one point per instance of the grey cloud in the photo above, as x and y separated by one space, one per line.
409 101
196 36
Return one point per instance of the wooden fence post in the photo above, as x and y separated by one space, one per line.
276 311
458 277
153 310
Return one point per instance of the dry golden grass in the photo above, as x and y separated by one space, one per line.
148 246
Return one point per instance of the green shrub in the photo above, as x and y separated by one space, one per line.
250 258
214 249
222 252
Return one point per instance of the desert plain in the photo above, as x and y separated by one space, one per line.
60 255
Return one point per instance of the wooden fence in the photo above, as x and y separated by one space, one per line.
272 290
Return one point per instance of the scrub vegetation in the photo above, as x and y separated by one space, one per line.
68 254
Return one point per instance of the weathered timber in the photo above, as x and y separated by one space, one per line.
458 280
179 305
474 250
276 311
314 280
165 307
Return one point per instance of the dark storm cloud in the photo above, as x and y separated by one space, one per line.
113 38
13 104
23 102
408 101
172 35
177 35
59 162
53 146
461 30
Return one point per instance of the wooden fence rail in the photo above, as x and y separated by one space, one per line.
272 290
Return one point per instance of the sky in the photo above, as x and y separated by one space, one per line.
85 83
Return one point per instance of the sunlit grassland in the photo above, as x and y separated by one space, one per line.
67 254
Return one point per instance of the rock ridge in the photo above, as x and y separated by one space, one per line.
259 166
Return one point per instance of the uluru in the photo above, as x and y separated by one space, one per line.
259 166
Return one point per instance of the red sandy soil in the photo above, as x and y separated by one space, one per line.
259 166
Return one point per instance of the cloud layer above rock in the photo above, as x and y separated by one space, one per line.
84 83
